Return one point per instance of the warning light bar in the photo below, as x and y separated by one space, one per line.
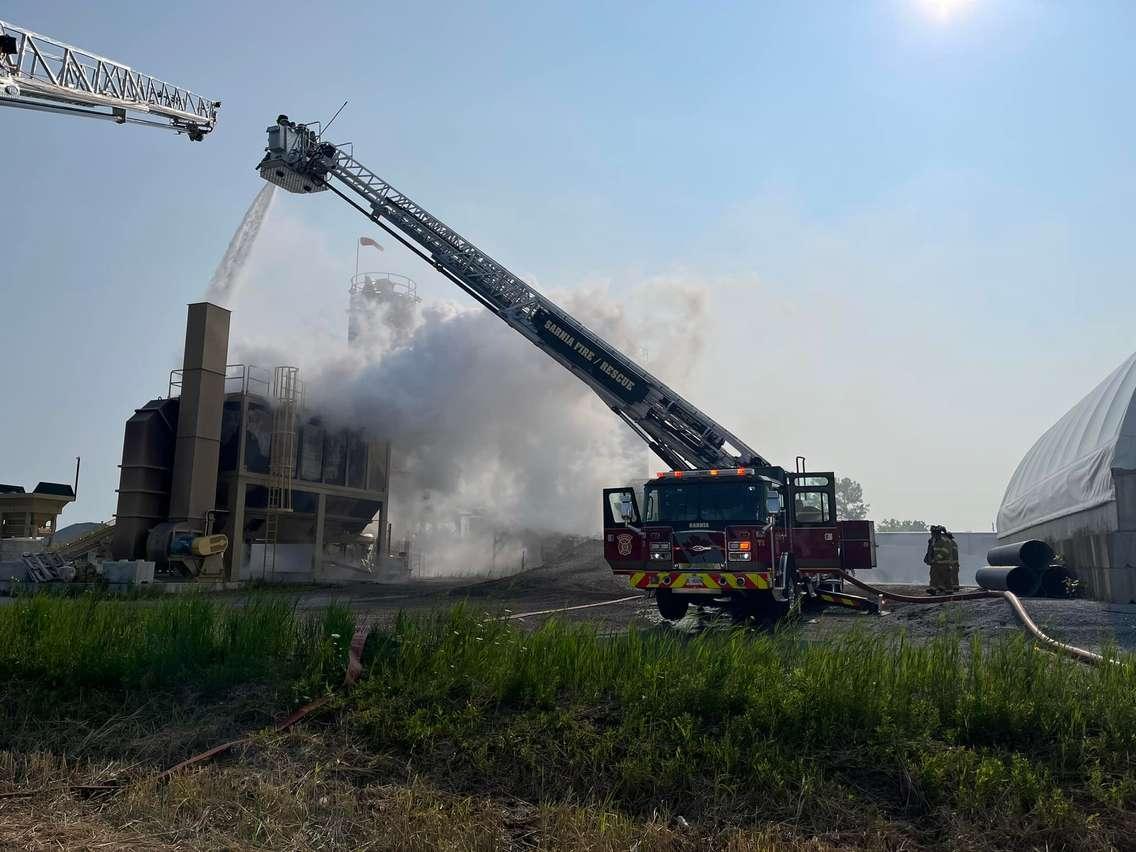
679 474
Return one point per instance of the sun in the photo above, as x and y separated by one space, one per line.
945 10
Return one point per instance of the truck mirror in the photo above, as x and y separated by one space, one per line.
772 503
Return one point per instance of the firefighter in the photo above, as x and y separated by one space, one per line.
942 557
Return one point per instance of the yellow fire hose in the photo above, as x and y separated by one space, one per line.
1069 650
1015 604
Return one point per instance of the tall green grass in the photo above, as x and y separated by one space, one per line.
724 726
758 724
94 641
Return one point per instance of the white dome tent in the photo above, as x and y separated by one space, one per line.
1076 489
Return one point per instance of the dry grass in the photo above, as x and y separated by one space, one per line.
322 787
273 797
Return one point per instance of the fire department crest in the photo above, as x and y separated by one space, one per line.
623 542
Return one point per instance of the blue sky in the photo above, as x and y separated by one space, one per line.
914 228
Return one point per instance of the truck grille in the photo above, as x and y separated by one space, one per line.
700 547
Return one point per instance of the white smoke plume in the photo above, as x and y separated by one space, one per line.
377 326
229 274
482 422
483 425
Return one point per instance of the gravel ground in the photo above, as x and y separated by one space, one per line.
578 575
1084 623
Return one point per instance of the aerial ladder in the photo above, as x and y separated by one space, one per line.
746 562
685 438
41 73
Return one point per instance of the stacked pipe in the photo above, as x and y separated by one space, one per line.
1025 568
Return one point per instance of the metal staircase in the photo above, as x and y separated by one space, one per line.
286 394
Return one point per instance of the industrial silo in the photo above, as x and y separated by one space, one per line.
382 310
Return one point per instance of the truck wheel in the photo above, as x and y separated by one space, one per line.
672 607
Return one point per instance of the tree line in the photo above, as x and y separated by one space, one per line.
850 506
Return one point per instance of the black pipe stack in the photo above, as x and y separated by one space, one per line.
1022 568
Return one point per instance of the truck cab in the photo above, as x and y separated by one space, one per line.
747 539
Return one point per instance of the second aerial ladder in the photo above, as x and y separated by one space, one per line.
41 73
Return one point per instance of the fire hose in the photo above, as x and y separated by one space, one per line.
893 596
1069 650
350 678
1015 603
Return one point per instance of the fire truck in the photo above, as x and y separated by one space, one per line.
723 526
748 539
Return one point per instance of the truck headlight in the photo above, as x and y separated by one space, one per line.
739 551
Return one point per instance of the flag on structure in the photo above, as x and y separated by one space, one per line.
367 241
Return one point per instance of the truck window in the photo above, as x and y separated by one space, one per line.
812 507
738 502
616 504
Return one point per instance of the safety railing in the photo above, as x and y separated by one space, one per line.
239 378
384 283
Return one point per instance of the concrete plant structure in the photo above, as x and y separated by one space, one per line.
25 514
340 480
230 468
29 519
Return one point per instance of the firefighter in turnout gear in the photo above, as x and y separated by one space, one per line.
943 558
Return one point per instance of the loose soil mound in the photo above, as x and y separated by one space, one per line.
573 564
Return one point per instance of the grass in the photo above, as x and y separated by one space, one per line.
460 721
97 642
735 727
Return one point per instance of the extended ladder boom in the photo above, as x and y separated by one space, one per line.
680 434
41 73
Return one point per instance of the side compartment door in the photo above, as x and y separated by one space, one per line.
857 545
625 547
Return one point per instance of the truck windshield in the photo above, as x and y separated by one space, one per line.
719 501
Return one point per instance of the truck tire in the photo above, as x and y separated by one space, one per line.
672 607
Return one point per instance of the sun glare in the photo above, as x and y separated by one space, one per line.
945 10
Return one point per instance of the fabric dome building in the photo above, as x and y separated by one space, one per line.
1076 489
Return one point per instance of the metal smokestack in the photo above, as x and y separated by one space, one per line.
193 489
